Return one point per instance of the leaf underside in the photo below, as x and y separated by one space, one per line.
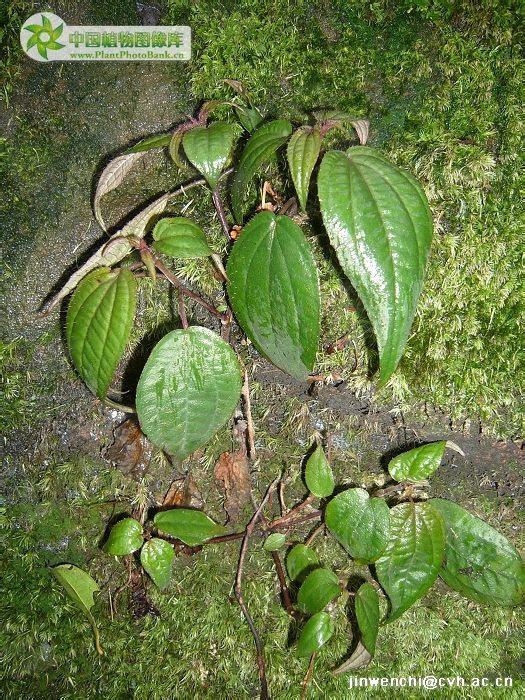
188 389
274 292
99 320
380 226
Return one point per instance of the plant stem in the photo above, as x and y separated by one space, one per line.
249 419
182 310
285 593
308 676
291 513
217 203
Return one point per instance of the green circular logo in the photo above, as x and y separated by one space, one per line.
41 37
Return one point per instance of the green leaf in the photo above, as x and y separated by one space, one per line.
80 588
360 523
299 561
274 541
181 238
125 538
417 464
157 557
274 292
414 554
98 324
380 226
249 117
261 145
148 144
367 613
302 153
188 389
314 634
208 148
317 590
193 527
318 474
480 563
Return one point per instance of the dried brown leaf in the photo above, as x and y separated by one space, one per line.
131 450
232 470
111 177
359 659
361 126
183 493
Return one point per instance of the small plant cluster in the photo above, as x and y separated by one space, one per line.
379 224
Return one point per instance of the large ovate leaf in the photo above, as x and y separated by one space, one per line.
316 632
193 527
318 474
480 562
417 464
319 588
99 320
379 223
367 613
188 389
415 551
181 238
302 153
125 537
274 292
157 557
360 523
299 561
262 144
208 148
80 587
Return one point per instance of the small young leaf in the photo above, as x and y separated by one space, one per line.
417 464
360 523
148 144
302 153
414 554
249 117
188 389
156 557
80 588
360 658
379 223
274 541
274 292
318 474
181 238
317 590
367 613
314 634
480 563
261 145
99 320
300 561
193 527
125 538
208 148
111 177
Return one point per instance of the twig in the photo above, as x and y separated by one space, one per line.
285 593
314 534
392 489
308 676
284 523
182 309
239 596
248 412
217 203
293 512
282 502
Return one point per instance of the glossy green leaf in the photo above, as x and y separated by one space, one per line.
299 561
367 613
80 587
317 590
99 320
380 226
181 238
414 554
417 464
274 541
316 632
302 153
125 537
188 389
157 557
274 292
208 148
261 145
193 527
318 474
148 144
249 117
360 523
480 562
